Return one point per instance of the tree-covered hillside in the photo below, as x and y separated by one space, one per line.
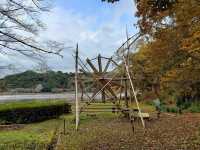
30 80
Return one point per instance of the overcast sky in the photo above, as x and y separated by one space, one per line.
97 27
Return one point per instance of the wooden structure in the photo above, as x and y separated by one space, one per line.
76 88
109 83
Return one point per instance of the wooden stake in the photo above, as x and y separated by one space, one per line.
64 126
76 86
128 46
126 93
121 90
101 73
128 63
134 93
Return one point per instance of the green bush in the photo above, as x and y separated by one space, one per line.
32 112
172 109
183 105
194 108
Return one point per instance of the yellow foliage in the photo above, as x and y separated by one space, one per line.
173 53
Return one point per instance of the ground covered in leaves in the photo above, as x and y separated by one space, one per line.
113 132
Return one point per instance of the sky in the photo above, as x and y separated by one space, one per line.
97 27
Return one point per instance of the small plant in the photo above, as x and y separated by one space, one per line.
183 104
195 108
172 109
149 103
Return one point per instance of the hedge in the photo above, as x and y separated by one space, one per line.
34 113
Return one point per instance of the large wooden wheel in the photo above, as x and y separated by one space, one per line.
102 84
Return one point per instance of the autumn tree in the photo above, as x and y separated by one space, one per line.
168 59
172 47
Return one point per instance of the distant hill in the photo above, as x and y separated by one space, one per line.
31 80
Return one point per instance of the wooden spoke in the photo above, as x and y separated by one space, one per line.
92 66
100 63
107 65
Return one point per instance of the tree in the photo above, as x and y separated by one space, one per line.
173 46
169 57
19 28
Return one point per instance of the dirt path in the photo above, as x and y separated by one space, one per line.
179 132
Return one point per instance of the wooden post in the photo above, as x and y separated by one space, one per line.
128 46
101 73
131 94
121 90
64 127
133 89
103 96
126 92
128 63
100 63
76 88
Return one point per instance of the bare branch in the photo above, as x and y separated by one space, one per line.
19 22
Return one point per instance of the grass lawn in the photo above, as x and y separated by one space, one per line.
39 134
73 140
92 126
27 136
144 107
108 131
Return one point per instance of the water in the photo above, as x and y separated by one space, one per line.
41 96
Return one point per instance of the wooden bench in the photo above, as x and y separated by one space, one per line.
135 113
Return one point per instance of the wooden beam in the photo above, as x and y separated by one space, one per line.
126 93
92 66
104 86
101 73
108 88
107 65
133 89
100 63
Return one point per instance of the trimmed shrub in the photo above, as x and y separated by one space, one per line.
23 115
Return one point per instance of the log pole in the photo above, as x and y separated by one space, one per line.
76 88
133 89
